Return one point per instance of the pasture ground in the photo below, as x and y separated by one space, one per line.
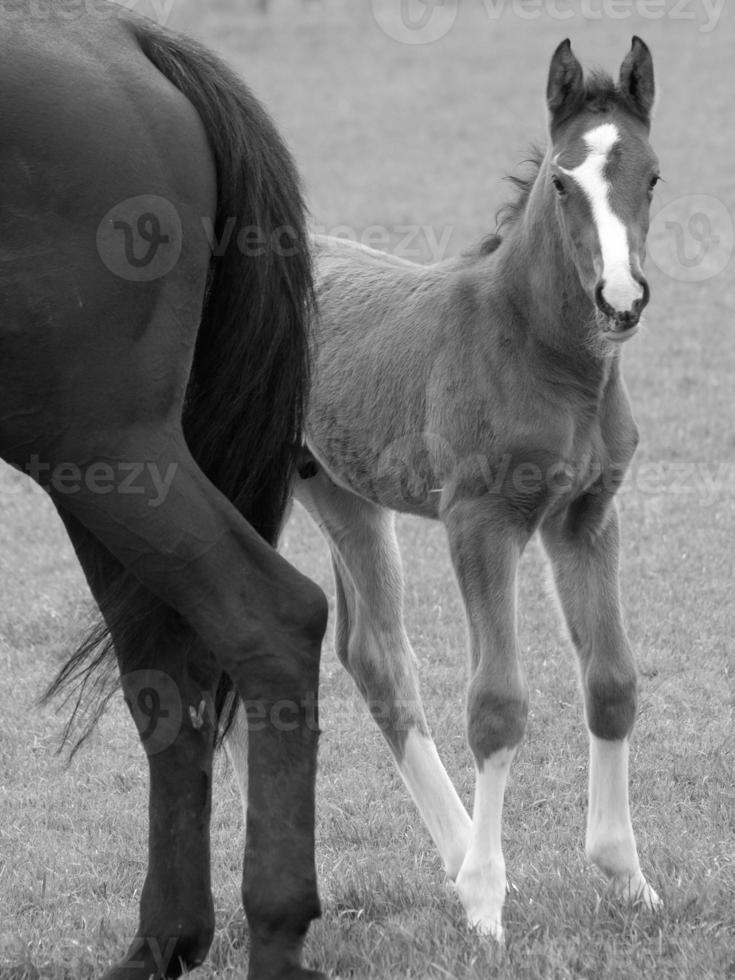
393 135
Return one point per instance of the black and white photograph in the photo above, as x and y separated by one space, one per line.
367 490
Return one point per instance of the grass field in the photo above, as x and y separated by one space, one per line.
416 137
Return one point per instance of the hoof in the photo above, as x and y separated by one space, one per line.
482 892
636 891
289 973
147 959
490 929
271 963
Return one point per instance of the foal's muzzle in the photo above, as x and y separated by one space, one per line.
622 322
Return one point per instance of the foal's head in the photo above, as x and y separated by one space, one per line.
603 172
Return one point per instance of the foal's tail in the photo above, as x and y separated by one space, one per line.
246 397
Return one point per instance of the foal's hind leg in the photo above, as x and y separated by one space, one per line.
584 557
170 688
372 644
264 623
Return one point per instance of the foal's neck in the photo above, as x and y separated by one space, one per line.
539 271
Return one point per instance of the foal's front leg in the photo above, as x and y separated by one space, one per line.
584 548
485 548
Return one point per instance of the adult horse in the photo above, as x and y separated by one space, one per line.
154 263
486 392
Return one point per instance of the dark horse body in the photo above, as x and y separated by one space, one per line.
124 149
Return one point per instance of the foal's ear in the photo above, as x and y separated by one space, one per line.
636 78
566 81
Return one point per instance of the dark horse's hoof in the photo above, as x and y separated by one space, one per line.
148 960
295 973
136 970
289 972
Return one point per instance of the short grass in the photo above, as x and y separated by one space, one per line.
392 135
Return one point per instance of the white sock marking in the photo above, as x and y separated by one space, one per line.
621 289
610 840
481 882
436 798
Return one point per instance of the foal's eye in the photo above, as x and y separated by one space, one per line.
558 185
653 181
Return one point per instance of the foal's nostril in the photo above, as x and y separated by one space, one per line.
641 303
602 304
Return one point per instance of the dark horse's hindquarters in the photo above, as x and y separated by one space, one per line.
115 320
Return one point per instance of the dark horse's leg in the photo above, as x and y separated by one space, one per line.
266 625
95 366
171 698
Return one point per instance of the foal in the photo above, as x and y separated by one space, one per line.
486 392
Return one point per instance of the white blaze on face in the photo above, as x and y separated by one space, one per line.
621 290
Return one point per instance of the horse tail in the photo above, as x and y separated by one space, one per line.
245 405
246 396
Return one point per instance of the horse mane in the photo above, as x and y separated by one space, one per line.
509 212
